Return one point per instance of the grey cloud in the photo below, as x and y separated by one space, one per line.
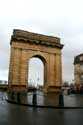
55 19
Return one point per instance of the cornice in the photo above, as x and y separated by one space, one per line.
34 38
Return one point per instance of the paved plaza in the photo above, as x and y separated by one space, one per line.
13 114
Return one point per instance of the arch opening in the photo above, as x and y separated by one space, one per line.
36 72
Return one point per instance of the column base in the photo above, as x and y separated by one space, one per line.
54 89
18 88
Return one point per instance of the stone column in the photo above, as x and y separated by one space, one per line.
16 66
58 70
24 71
14 71
10 77
52 72
45 77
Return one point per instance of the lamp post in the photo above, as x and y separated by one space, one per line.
37 82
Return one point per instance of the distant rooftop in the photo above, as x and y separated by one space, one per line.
78 59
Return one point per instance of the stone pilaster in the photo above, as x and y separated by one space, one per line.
58 70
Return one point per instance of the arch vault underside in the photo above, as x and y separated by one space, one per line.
25 45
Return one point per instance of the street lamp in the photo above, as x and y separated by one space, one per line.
38 82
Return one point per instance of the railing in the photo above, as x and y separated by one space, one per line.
37 99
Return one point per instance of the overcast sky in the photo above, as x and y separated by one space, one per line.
59 18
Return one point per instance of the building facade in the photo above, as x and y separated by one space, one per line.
78 69
3 82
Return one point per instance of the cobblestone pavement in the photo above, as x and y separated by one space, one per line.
12 114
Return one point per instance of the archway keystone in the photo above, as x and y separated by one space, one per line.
25 45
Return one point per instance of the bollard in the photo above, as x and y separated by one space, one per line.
82 90
18 97
12 96
61 100
34 99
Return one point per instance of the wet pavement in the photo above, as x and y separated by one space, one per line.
12 114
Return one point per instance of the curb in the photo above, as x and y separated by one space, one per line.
44 106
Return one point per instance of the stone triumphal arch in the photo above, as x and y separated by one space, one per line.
24 46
